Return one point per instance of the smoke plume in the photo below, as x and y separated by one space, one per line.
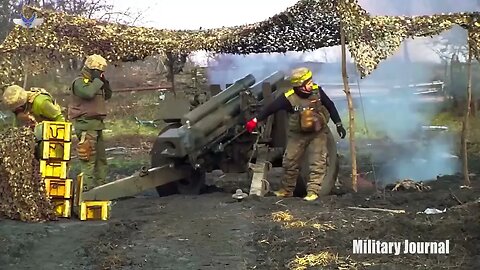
397 113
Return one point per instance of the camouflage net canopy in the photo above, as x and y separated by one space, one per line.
372 39
22 192
306 26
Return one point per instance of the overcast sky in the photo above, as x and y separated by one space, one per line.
193 14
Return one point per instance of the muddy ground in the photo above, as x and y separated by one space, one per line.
213 231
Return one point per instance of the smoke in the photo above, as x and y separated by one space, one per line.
396 113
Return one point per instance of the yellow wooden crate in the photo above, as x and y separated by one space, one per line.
77 198
55 150
63 208
94 210
53 169
56 131
59 188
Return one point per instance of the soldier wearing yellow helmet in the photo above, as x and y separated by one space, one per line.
87 110
32 107
310 110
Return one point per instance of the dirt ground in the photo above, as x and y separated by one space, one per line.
213 231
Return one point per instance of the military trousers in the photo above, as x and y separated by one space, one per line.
298 145
93 158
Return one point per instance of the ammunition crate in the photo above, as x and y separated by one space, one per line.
56 131
59 188
53 169
77 198
63 208
55 150
94 210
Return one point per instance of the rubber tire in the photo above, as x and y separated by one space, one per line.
170 188
333 167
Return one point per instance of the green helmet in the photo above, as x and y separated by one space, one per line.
300 76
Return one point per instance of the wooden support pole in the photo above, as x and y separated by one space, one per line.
351 111
465 128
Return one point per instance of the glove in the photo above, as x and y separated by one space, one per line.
107 90
341 131
251 125
95 73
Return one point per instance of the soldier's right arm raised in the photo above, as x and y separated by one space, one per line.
87 90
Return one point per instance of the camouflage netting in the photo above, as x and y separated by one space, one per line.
22 192
372 39
308 25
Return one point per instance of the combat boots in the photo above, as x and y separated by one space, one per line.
311 196
283 193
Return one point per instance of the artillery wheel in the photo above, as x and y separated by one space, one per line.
194 184
333 167
157 160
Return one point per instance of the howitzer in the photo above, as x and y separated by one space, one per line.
212 136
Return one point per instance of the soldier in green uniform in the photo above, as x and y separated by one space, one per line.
87 110
310 110
32 107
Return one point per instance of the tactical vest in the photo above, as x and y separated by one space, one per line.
94 108
31 109
313 102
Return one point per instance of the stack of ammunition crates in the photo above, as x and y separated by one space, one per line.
54 151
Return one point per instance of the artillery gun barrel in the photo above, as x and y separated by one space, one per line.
191 137
218 100
226 113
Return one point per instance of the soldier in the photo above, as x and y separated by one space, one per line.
32 107
87 109
310 109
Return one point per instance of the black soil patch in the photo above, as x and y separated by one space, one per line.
109 250
277 245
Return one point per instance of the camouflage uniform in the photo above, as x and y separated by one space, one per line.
87 109
300 140
310 110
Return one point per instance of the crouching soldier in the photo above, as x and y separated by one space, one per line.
32 107
87 110
310 110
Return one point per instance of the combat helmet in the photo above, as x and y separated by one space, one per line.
96 61
14 96
299 76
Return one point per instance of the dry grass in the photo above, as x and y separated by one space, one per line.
289 222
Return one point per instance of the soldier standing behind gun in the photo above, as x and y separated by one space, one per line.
87 110
310 109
